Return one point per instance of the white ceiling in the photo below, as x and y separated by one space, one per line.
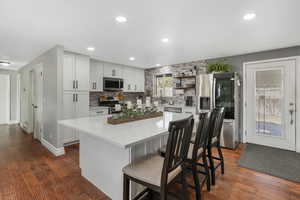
196 29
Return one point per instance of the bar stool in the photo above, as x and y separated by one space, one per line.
156 172
197 155
214 141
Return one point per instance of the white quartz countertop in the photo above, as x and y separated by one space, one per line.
123 135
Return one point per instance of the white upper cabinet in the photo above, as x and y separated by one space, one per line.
128 76
134 79
113 70
141 80
69 72
96 76
82 72
76 72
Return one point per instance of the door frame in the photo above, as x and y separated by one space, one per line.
297 117
8 98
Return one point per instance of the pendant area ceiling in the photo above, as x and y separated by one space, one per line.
196 29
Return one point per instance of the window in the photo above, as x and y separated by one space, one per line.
164 85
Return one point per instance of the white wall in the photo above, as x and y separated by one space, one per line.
13 93
52 62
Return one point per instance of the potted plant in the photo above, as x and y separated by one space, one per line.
219 66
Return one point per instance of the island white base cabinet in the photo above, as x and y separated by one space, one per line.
101 162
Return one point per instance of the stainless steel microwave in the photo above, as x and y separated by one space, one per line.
112 84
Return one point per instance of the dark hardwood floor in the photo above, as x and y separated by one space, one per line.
29 172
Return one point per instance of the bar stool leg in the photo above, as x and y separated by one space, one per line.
221 157
204 159
196 181
163 195
211 166
126 183
184 185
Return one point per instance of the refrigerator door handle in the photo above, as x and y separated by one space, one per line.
213 97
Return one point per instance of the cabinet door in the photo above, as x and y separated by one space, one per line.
141 80
68 113
127 76
109 70
68 105
112 70
99 81
119 70
135 80
82 72
93 76
69 72
82 104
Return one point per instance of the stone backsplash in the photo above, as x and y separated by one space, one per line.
150 74
128 96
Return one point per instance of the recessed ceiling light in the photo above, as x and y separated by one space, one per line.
165 40
4 63
90 48
249 16
121 19
132 58
158 65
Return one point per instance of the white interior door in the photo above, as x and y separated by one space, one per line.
38 102
4 98
270 104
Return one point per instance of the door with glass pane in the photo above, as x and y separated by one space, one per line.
270 104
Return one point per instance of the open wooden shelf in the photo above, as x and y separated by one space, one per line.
190 76
180 88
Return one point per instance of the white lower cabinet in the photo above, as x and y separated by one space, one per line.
75 105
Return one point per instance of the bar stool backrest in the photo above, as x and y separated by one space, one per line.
202 134
180 133
220 113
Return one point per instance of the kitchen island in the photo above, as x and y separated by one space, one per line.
105 149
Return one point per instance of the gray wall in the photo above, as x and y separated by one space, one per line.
13 93
237 61
52 62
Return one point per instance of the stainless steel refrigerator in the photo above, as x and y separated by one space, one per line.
221 90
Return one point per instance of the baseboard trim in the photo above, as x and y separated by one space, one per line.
53 149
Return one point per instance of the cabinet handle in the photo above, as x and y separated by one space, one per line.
95 85
73 84
76 84
73 97
76 97
113 72
135 87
